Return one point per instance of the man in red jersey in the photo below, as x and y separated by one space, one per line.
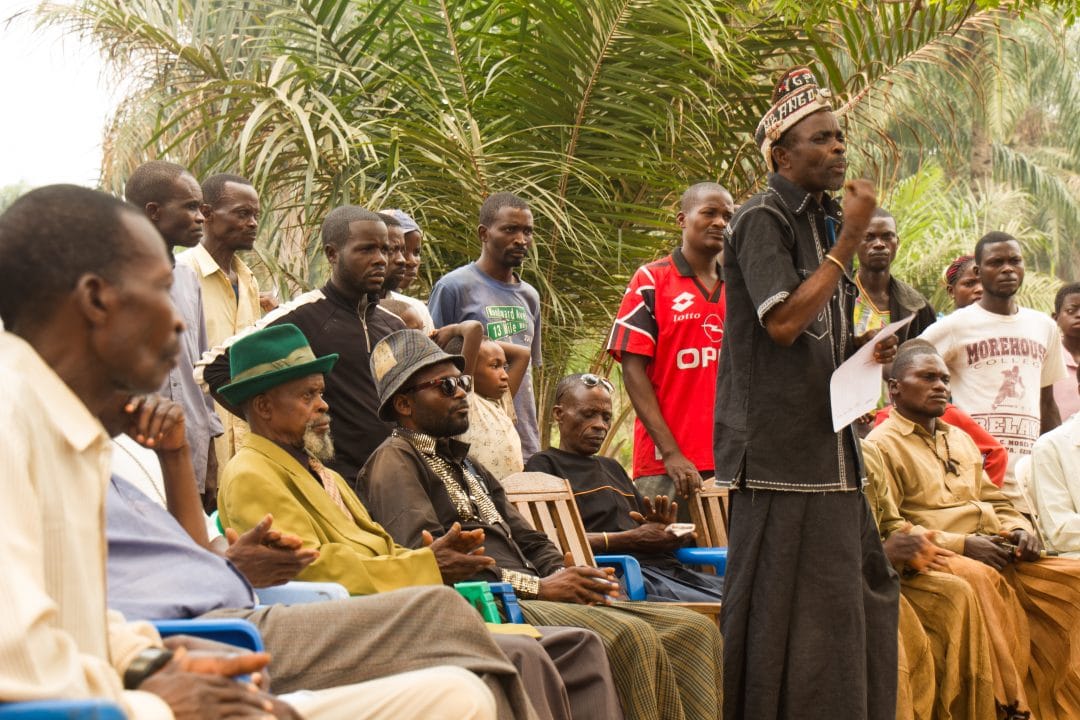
667 336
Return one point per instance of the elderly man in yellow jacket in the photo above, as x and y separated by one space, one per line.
278 383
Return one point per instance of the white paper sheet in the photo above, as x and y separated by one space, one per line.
855 387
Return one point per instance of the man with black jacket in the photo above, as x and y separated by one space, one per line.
883 298
342 317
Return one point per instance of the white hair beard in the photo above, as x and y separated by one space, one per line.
319 445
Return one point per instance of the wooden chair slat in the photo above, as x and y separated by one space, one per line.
547 502
709 511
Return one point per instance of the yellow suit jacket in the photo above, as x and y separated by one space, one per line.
353 551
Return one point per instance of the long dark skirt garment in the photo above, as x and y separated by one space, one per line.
810 610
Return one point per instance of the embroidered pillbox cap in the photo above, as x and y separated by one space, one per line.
270 357
796 96
399 356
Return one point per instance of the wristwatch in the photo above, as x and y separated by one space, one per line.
145 664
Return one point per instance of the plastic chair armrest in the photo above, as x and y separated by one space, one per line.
479 595
715 557
231 631
216 519
86 709
300 593
628 569
504 592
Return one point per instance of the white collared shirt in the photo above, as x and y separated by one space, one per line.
56 637
1055 486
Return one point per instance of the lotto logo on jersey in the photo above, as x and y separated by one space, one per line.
682 301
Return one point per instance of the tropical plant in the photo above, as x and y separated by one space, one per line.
599 112
1001 119
938 220
9 193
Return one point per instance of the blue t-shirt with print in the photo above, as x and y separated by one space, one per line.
510 312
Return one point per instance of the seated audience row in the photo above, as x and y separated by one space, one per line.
406 497
84 298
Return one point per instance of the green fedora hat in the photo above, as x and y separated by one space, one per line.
269 357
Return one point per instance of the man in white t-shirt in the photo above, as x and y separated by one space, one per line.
1004 359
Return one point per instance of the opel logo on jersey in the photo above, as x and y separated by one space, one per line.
713 327
682 301
692 357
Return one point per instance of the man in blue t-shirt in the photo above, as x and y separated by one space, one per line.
489 291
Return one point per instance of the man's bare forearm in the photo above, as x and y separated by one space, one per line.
1049 414
643 398
182 493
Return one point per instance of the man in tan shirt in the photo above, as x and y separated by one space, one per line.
84 295
230 292
943 633
935 476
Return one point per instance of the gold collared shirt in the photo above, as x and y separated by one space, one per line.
938 483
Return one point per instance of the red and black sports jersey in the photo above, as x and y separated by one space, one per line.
669 316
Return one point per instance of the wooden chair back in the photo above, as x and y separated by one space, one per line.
547 502
709 511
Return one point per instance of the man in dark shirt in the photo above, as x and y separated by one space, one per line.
810 603
663 658
616 516
343 317
883 298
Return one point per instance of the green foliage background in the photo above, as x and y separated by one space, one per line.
600 112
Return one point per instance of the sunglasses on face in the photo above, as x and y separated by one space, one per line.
448 386
590 381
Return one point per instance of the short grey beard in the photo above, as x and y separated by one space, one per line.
319 445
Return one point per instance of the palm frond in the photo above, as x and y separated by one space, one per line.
599 112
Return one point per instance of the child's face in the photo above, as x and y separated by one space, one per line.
491 379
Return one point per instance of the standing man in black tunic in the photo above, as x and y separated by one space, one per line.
810 602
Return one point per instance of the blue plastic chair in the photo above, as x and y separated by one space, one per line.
230 631
301 593
240 633
714 557
547 503
503 592
628 571
93 709
709 510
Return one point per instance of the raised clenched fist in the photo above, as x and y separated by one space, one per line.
860 200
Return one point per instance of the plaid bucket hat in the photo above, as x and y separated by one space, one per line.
399 356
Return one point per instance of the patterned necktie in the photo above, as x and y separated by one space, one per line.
329 485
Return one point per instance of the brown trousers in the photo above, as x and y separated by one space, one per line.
1032 611
342 642
948 611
